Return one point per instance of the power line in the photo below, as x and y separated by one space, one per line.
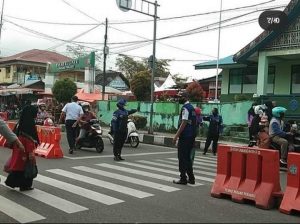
137 21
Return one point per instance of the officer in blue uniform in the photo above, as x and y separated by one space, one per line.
119 128
185 135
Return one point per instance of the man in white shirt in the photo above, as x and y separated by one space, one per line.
72 112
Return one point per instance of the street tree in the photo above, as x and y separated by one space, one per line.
195 91
129 67
141 85
63 90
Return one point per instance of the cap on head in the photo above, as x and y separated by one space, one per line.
121 103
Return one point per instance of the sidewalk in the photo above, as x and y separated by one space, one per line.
166 139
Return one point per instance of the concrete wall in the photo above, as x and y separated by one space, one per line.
165 117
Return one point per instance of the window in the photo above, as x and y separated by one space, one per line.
7 75
271 80
244 80
250 80
295 86
235 80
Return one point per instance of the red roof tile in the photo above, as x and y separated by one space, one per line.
36 55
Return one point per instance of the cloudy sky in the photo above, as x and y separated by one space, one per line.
189 29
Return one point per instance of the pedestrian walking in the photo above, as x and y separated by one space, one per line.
119 127
27 134
214 129
185 136
71 112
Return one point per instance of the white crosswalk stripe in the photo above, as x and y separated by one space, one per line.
18 212
175 167
199 163
114 187
127 179
194 166
166 171
107 200
51 200
137 173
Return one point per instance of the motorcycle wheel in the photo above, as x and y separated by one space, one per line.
99 145
134 141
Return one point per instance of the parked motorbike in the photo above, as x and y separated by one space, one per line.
132 135
93 137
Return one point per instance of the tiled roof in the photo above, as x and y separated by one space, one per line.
36 55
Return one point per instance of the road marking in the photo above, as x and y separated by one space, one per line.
123 155
100 183
18 212
194 166
101 198
139 172
198 163
175 167
205 160
127 179
166 171
51 200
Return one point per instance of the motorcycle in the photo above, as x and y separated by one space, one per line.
93 137
132 135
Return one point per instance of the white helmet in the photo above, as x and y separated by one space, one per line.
85 105
258 110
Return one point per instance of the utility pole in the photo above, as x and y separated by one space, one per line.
1 21
105 52
139 6
153 69
218 58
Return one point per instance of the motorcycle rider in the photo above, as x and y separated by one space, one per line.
42 114
84 120
277 134
119 127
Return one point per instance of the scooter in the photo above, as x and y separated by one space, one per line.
132 135
93 138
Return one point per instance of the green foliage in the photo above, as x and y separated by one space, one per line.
139 121
63 90
241 97
130 67
141 86
195 91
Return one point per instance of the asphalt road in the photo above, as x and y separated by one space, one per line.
90 187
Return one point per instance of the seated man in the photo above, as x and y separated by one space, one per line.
277 134
84 120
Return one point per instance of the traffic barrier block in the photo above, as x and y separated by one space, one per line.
291 198
248 173
49 142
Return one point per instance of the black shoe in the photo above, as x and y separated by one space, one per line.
26 188
120 158
183 182
191 181
282 163
116 158
204 153
70 151
214 153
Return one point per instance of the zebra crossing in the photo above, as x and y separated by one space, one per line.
111 184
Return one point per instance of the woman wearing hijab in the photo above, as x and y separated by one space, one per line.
27 134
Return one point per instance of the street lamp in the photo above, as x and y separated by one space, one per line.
218 58
125 5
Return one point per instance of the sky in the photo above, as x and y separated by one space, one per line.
54 24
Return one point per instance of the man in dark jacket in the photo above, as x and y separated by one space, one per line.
185 135
119 128
214 130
